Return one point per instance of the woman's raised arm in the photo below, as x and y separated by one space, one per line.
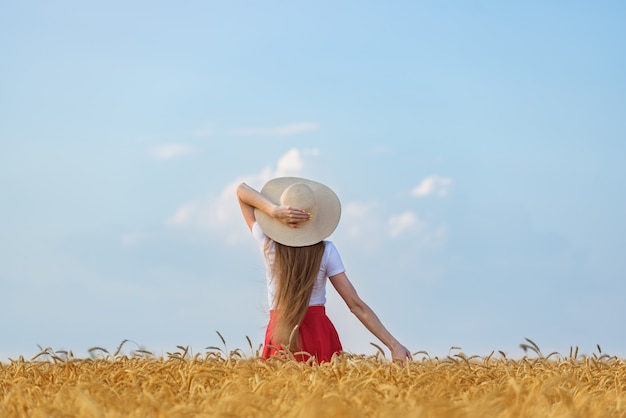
250 199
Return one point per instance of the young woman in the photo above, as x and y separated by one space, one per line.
290 219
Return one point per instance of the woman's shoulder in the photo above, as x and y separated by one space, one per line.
332 260
330 248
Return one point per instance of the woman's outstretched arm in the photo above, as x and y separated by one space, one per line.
366 315
250 199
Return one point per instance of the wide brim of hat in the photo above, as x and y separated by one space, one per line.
321 226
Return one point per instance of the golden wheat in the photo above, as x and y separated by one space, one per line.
220 384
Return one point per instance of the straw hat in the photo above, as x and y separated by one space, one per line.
315 198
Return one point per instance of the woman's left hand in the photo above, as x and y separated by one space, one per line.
400 354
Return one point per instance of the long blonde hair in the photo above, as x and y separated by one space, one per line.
295 270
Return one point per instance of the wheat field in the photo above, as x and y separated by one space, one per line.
218 383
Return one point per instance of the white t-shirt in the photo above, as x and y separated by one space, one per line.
331 265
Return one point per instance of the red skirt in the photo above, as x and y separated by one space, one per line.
318 337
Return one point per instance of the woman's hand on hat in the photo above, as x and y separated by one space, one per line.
290 215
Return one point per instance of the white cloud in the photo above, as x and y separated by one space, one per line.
399 224
169 151
222 212
185 213
208 213
367 227
422 234
433 186
292 163
284 130
358 219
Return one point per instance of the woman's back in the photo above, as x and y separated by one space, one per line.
330 264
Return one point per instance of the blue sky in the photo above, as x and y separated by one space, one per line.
477 148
